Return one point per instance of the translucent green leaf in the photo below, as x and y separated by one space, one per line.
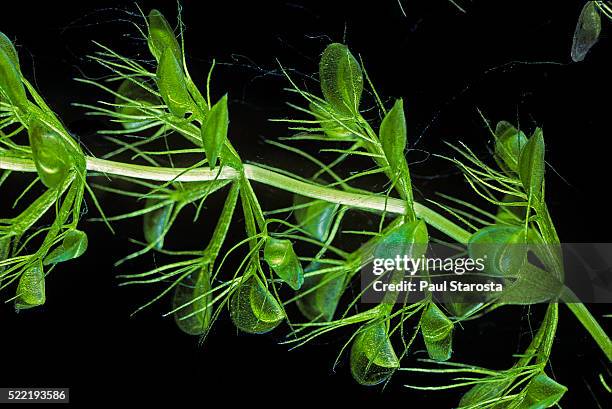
531 164
31 288
437 332
532 285
214 130
254 309
587 31
503 249
373 359
459 304
320 294
5 250
172 86
316 218
10 79
192 296
7 46
410 239
341 79
509 142
393 135
486 391
161 36
333 127
512 214
542 392
73 246
284 262
53 156
137 96
154 223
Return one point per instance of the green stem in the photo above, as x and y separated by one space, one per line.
355 200
261 175
588 321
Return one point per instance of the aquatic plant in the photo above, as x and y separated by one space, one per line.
289 255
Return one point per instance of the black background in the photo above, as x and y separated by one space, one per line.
510 59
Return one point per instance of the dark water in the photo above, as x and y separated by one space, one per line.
509 59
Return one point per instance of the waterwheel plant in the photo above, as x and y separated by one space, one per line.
290 256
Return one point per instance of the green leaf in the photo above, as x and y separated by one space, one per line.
214 131
410 239
315 218
155 222
486 391
11 85
5 251
284 262
502 248
531 165
73 246
31 288
333 127
254 309
373 359
459 306
161 36
134 98
195 291
532 285
393 136
587 31
7 46
172 86
509 142
437 332
53 156
542 392
341 79
320 294
512 214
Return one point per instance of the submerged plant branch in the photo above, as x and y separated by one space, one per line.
261 175
294 254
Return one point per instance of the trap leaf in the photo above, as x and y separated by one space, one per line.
134 98
172 86
509 142
284 262
373 359
503 249
587 31
484 392
341 79
214 131
161 36
31 288
191 300
393 134
52 155
531 165
11 85
333 127
437 332
155 222
542 392
320 304
7 46
315 218
254 309
73 246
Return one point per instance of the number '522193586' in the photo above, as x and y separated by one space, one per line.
50 395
